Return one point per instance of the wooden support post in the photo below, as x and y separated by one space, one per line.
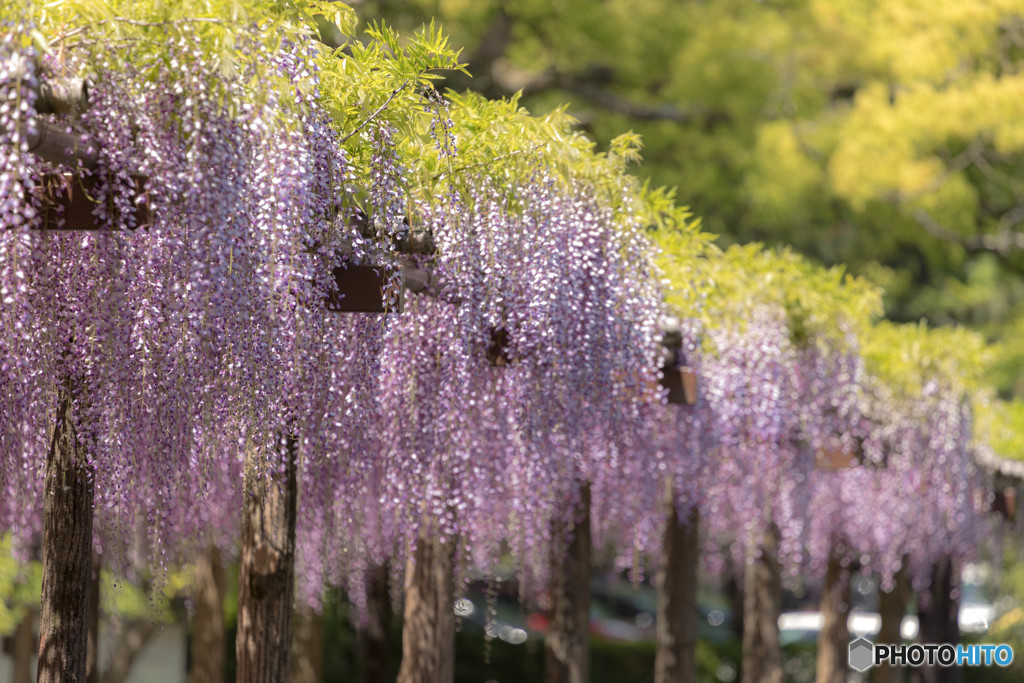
676 375
428 632
361 289
676 657
374 636
92 660
308 647
416 242
266 581
567 645
130 641
67 550
939 619
762 602
207 660
834 637
892 606
23 647
50 143
71 198
63 96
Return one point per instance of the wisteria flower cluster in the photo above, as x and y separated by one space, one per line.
196 339
200 342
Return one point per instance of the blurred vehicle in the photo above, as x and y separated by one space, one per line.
977 610
619 611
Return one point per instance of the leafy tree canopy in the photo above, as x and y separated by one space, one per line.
886 136
822 305
914 359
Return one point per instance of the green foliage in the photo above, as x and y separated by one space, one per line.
906 358
822 305
382 79
1002 425
884 135
374 77
378 78
138 33
20 587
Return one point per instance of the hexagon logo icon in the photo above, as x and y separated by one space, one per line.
862 654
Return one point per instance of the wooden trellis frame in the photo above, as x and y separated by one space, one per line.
69 205
677 376
834 458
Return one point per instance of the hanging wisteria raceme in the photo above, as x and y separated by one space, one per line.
515 378
201 336
830 410
754 389
673 449
916 498
20 424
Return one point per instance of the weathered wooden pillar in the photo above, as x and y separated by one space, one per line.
834 636
92 661
67 551
762 602
374 634
676 657
207 649
428 632
308 647
939 619
567 645
129 643
23 647
892 606
266 572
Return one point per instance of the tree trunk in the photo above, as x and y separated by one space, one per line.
676 658
130 642
23 647
308 648
939 620
207 649
92 664
762 598
428 634
266 581
567 646
892 605
67 553
374 635
834 637
734 590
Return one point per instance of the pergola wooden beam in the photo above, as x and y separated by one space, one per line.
70 203
414 241
50 143
676 375
63 96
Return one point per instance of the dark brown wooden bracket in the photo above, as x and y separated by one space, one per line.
69 203
72 198
362 289
679 378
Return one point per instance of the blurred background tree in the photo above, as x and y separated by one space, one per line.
887 136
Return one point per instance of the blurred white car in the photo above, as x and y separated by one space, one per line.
976 613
